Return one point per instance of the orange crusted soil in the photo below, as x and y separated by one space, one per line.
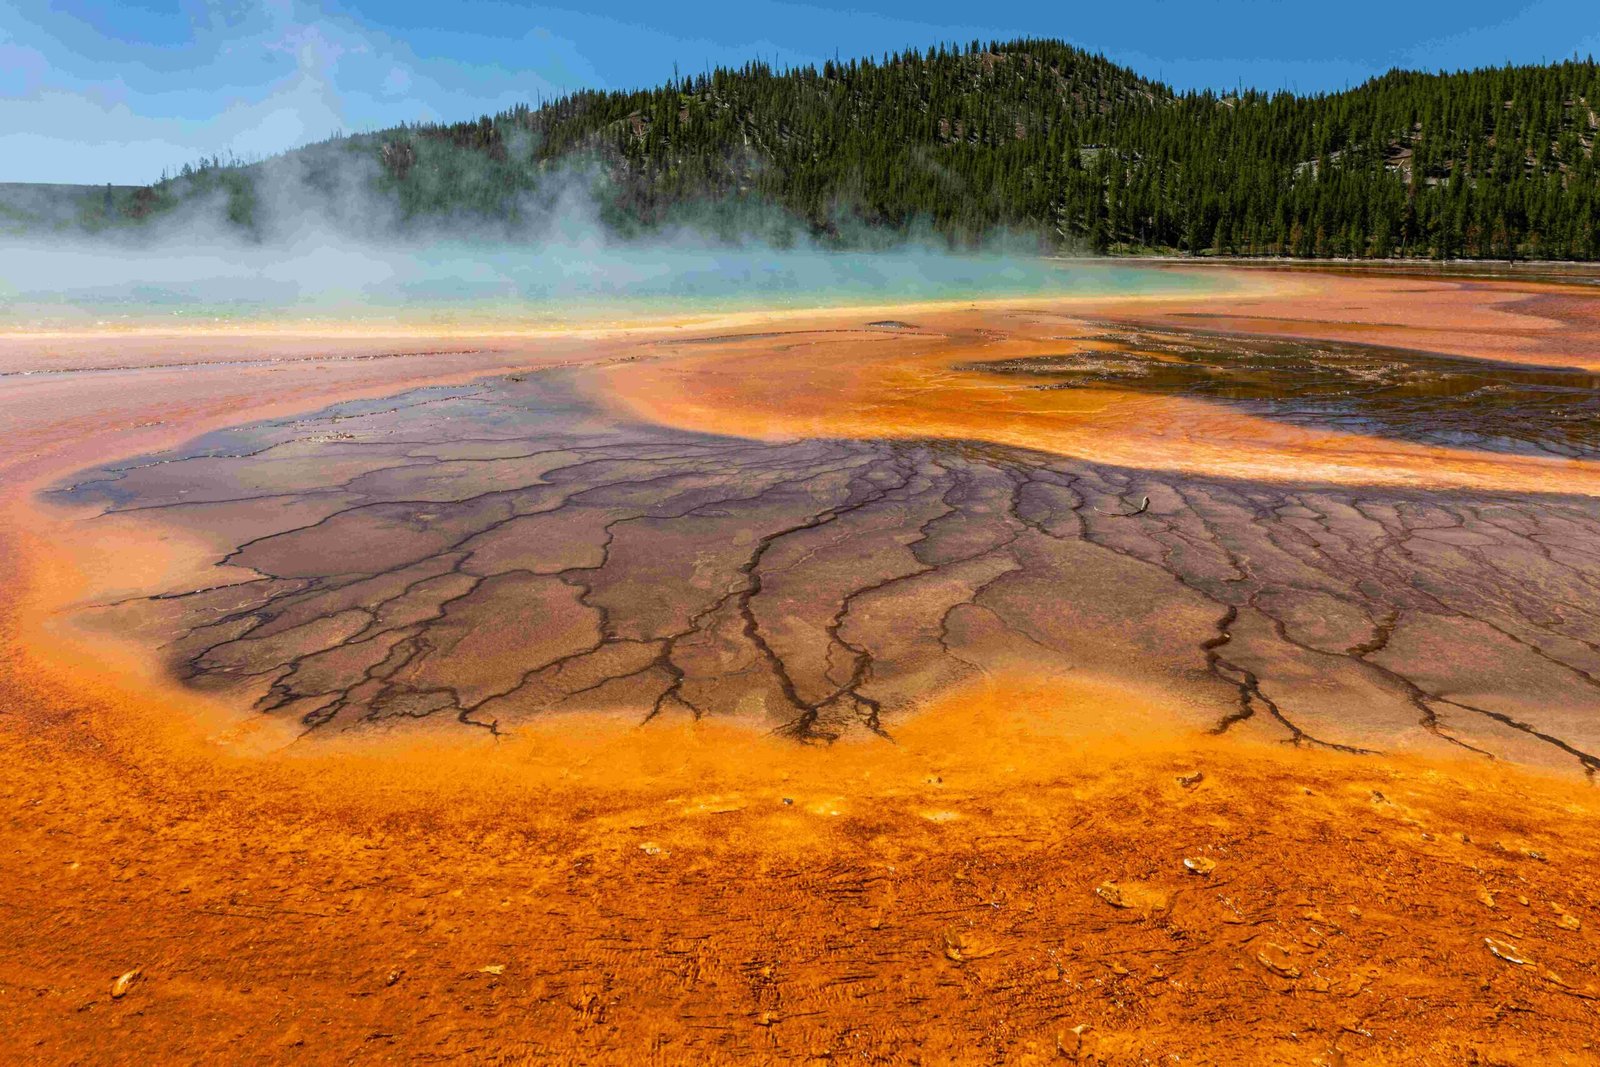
1032 871
992 888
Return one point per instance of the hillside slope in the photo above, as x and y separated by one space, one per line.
1032 137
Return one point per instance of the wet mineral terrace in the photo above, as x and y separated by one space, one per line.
1359 388
510 549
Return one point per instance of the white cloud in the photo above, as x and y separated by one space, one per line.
252 82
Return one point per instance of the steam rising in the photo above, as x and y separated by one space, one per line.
333 244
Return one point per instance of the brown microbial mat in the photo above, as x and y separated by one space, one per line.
492 553
1201 678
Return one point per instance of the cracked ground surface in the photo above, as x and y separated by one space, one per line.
504 550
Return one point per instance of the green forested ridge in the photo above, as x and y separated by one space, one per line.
1033 137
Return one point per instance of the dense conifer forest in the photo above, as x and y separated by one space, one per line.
1032 138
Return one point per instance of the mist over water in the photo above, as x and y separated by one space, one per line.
83 283
345 255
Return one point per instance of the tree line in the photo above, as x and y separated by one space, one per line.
1029 137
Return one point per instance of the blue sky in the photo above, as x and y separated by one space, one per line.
116 90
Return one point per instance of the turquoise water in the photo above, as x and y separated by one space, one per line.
510 285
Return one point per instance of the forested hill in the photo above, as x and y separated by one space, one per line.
1031 137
